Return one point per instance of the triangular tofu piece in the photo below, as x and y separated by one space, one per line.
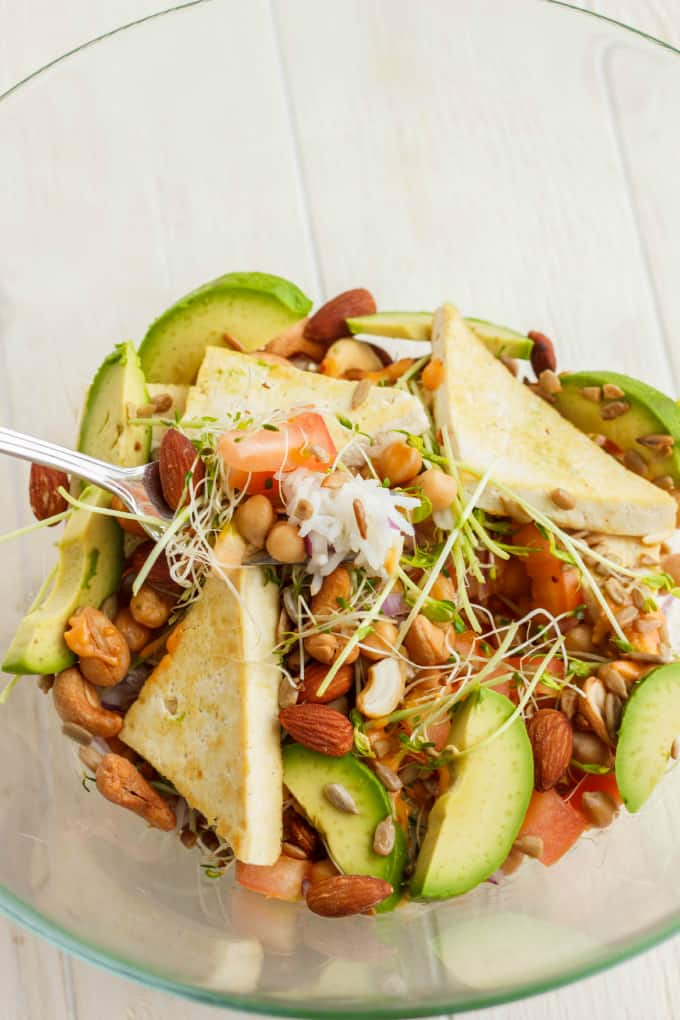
229 382
207 717
493 419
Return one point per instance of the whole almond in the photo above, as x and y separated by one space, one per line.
542 353
551 738
42 491
176 458
319 728
301 834
315 674
159 576
344 895
329 323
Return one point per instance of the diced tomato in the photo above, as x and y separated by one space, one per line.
555 585
256 483
438 733
303 441
280 881
605 783
557 823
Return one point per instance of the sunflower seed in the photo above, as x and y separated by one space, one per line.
639 599
600 808
291 850
568 702
590 750
592 393
658 441
613 708
549 382
665 482
360 517
613 681
161 402
90 758
615 590
360 393
626 615
563 499
384 837
531 846
340 797
635 462
614 410
513 861
610 391
387 777
145 411
288 692
77 733
648 625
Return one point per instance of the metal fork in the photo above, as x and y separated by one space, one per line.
138 488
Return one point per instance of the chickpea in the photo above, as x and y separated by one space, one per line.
254 518
399 462
149 608
380 641
443 589
579 639
136 634
441 489
102 649
284 544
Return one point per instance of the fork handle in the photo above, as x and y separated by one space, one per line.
40 451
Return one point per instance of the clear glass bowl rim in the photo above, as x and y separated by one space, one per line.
21 913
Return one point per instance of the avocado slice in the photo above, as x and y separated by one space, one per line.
651 413
650 724
88 571
418 326
250 307
348 837
118 385
473 825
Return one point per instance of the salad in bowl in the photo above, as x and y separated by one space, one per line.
405 622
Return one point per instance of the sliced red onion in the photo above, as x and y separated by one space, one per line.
120 697
395 605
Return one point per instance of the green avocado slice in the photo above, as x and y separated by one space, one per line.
650 413
500 340
117 387
249 307
349 837
88 571
650 724
473 825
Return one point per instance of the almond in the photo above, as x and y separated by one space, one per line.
344 895
319 728
177 457
42 491
301 834
551 738
315 674
159 575
329 323
542 353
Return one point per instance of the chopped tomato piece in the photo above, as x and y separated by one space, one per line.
281 881
438 733
555 821
303 441
605 783
256 483
555 585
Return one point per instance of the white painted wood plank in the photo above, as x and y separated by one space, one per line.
645 987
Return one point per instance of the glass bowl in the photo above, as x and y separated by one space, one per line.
516 158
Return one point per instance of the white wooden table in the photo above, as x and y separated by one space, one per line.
41 983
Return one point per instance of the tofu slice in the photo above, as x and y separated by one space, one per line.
229 381
493 419
207 717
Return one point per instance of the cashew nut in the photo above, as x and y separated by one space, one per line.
349 355
293 341
380 641
103 651
119 781
427 644
136 634
76 701
326 646
383 690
